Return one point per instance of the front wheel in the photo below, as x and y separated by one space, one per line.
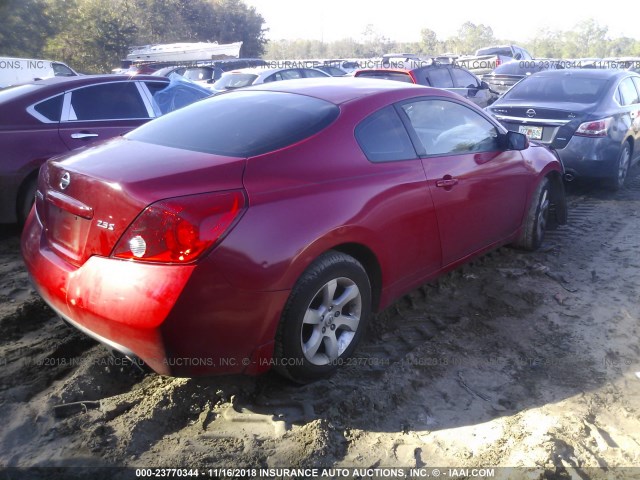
324 318
535 223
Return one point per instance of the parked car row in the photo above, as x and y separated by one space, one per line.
263 226
44 118
589 117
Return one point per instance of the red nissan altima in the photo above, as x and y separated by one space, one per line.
263 226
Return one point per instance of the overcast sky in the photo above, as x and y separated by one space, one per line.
402 20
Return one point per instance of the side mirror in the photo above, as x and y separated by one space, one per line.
484 85
517 141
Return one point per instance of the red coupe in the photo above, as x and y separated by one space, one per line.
262 227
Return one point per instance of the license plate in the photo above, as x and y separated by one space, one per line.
534 133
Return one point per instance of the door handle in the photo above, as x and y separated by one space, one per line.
83 135
447 182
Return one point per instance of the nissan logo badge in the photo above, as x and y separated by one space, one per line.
531 113
65 180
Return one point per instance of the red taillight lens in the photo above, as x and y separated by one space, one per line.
498 63
596 128
179 230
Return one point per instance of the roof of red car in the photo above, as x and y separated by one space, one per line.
337 90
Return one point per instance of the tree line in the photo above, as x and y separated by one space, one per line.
93 36
586 39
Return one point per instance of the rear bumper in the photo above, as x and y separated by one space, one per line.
179 319
590 157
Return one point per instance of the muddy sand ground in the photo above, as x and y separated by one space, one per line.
526 360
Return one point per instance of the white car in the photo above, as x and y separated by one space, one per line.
254 76
14 71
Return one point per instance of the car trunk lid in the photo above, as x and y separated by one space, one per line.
552 124
87 200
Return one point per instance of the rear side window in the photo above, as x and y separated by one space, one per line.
51 109
108 101
628 92
383 138
308 73
240 124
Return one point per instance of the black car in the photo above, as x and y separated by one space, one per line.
433 74
508 74
590 117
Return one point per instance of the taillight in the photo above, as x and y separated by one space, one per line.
498 63
179 230
595 128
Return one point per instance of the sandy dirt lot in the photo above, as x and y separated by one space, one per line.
526 360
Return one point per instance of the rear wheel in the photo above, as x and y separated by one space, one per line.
535 223
622 167
324 318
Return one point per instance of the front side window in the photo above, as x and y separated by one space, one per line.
448 128
61 70
439 78
463 79
107 101
383 137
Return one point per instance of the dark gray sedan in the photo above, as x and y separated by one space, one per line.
589 117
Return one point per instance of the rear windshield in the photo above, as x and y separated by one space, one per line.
399 76
240 124
234 80
520 67
505 51
564 88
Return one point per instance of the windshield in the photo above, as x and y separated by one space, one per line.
572 89
235 80
240 124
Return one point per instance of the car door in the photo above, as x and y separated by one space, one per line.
102 111
478 188
406 211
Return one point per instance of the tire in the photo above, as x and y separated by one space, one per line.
324 318
535 223
622 168
25 200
